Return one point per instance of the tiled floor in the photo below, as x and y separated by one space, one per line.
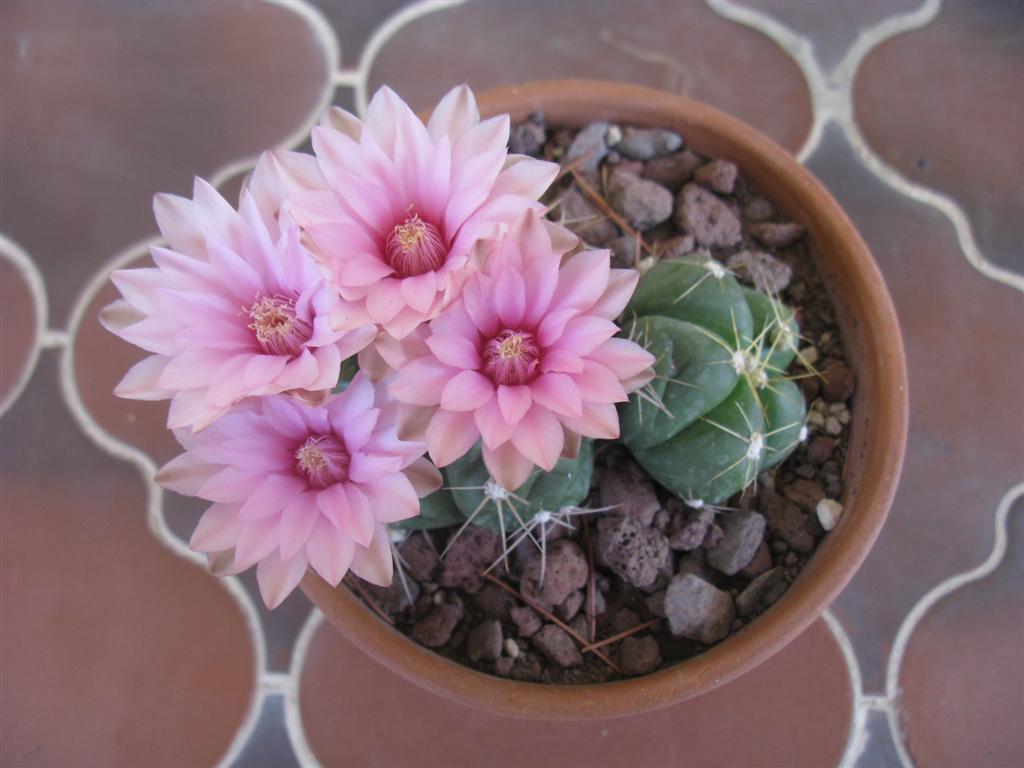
117 649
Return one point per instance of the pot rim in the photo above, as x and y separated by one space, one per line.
865 314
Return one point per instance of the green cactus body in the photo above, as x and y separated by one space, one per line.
719 411
466 493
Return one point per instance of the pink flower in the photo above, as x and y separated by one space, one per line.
404 203
295 485
235 307
526 359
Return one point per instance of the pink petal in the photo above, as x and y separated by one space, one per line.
507 465
257 539
553 325
358 526
450 435
573 442
333 502
374 563
177 223
363 269
261 370
597 384
393 498
297 521
599 420
142 382
185 474
383 115
458 351
510 298
514 402
419 291
525 177
230 484
467 391
283 417
330 552
366 468
455 114
585 333
622 357
477 301
190 409
356 399
621 285
217 529
541 280
424 477
422 381
385 300
192 368
278 579
539 437
492 425
557 392
582 279
271 496
561 361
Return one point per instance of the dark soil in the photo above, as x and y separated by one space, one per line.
688 577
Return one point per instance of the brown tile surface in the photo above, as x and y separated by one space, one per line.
793 710
681 47
831 25
962 681
121 100
944 106
354 22
17 326
121 653
964 338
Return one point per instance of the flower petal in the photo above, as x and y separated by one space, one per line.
467 391
507 465
450 435
422 381
277 579
297 521
539 437
330 552
373 563
558 392
514 402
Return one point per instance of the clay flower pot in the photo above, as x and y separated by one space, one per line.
877 437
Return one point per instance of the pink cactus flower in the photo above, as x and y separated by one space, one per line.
235 307
404 203
526 359
296 485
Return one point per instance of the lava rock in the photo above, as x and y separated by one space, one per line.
527 668
585 219
570 606
527 138
468 555
526 619
718 175
785 521
742 533
689 527
555 643
820 449
648 143
776 234
641 202
762 562
758 210
494 602
623 252
630 491
698 610
676 247
436 629
396 597
629 548
751 597
767 273
672 171
484 641
710 221
713 538
623 620
656 603
503 666
804 493
639 655
566 571
589 147
419 556
838 383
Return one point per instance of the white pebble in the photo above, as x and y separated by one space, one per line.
836 408
815 419
832 426
844 417
809 355
613 135
511 647
829 512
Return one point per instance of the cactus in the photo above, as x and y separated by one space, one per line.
720 410
471 495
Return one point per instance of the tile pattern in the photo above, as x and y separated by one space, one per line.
161 91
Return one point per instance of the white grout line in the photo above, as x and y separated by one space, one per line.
857 736
925 604
22 262
292 709
359 77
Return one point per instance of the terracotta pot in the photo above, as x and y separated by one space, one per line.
877 436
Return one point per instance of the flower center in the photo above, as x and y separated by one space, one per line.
324 460
278 330
511 357
414 247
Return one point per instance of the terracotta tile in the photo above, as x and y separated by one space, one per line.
354 21
101 360
962 679
126 99
17 326
963 72
879 748
964 339
115 651
831 25
793 710
280 626
679 47
269 746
